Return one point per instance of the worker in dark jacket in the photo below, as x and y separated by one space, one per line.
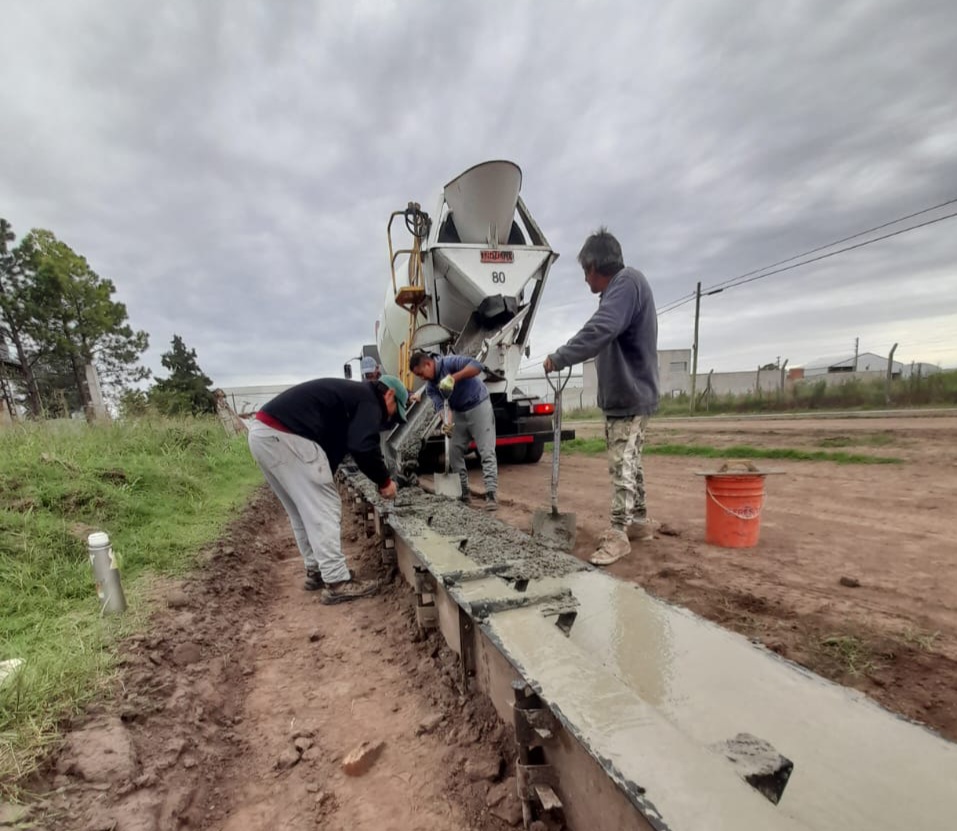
299 439
622 336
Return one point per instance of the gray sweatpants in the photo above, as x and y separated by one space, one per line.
478 425
298 472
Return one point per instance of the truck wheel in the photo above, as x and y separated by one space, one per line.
517 454
534 451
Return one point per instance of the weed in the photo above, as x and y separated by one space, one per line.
851 653
924 641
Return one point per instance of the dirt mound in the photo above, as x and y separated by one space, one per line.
238 707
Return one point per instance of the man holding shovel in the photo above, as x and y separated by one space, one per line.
455 378
622 336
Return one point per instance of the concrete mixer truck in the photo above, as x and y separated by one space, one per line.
468 279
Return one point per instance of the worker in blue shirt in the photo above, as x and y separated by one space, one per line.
455 377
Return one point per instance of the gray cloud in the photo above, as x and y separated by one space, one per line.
231 166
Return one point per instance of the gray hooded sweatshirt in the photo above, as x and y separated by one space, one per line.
622 336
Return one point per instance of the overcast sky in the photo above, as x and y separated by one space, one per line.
231 165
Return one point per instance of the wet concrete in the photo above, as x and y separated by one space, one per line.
485 540
674 782
855 764
650 689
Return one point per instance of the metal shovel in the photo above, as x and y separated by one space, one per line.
548 523
448 483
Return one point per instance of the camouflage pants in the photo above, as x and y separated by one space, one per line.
625 438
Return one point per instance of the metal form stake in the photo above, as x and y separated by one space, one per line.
426 612
536 779
107 576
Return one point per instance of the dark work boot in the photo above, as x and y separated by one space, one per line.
347 590
491 504
314 580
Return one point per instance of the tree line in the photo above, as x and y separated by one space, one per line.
59 322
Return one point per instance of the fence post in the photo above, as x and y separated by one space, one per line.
890 374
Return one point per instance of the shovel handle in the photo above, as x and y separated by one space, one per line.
558 388
446 418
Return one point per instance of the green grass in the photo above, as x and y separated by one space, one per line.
160 488
863 440
597 445
852 654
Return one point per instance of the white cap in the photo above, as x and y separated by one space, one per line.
368 365
98 539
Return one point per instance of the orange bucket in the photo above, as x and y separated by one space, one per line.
734 501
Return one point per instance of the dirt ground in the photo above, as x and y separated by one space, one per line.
236 711
892 528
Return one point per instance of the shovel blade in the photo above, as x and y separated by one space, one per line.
557 529
447 484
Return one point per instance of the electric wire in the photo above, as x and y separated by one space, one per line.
768 271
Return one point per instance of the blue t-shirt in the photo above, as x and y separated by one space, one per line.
467 393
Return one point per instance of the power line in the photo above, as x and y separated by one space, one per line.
730 285
741 279
839 241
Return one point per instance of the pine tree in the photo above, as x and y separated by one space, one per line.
186 390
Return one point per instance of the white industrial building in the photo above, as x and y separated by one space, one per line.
863 362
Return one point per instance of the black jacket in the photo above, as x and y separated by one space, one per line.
341 417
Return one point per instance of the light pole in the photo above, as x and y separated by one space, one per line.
694 345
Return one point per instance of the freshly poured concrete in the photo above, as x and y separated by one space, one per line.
855 764
646 688
674 782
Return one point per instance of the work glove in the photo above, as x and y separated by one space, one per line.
446 385
447 429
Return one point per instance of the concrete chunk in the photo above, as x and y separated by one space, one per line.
758 763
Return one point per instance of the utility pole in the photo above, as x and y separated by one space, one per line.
694 344
857 342
697 315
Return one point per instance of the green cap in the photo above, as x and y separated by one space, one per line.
401 393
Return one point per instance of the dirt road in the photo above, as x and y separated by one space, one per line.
236 711
890 527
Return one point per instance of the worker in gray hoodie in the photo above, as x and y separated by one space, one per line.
622 336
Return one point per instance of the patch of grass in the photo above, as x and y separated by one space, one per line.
850 652
924 641
590 447
866 440
160 488
597 445
585 414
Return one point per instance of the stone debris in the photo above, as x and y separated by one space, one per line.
289 758
429 723
187 653
100 752
177 599
483 768
509 810
850 582
360 759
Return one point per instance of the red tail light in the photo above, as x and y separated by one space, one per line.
543 409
